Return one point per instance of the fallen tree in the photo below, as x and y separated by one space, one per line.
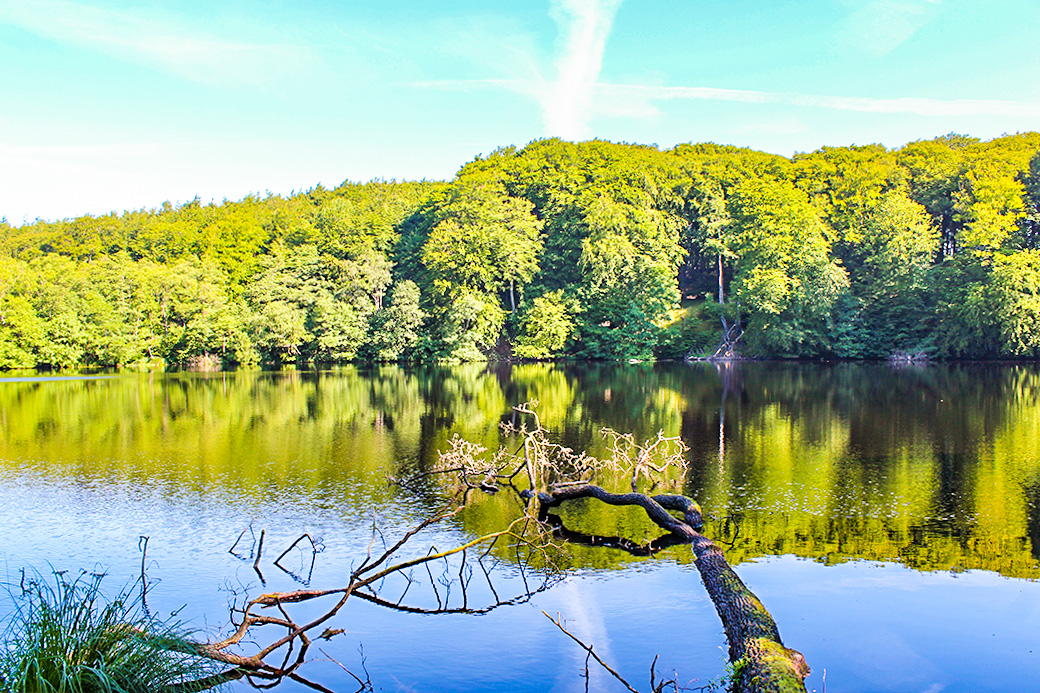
268 643
556 475
761 661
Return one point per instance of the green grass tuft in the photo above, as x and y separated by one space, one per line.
64 636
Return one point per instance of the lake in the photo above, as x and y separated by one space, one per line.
887 516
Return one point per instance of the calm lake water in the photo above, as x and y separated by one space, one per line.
889 517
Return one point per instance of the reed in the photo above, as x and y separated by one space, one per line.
64 636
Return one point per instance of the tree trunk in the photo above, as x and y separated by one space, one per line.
721 302
762 664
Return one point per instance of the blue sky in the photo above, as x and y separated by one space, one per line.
116 104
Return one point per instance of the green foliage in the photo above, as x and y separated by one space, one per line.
933 170
630 334
990 200
545 327
887 309
786 278
727 681
900 243
845 185
629 259
693 332
1014 294
480 251
484 240
584 248
963 323
66 637
1028 236
396 330
469 328
339 330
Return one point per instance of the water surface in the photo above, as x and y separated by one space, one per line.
888 517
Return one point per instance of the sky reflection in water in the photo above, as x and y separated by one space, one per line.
903 505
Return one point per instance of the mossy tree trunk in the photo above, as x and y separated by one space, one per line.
762 664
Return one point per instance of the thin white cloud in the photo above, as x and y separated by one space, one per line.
584 25
906 106
639 99
161 42
880 26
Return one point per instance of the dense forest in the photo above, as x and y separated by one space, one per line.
592 250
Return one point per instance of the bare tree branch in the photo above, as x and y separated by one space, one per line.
558 621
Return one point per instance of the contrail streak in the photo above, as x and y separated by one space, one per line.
567 103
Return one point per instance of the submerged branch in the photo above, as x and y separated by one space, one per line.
762 664
766 665
296 638
558 622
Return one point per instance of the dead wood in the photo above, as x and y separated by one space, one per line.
761 662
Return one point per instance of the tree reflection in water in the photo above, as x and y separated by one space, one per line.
936 467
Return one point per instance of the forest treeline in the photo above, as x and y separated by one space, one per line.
592 250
